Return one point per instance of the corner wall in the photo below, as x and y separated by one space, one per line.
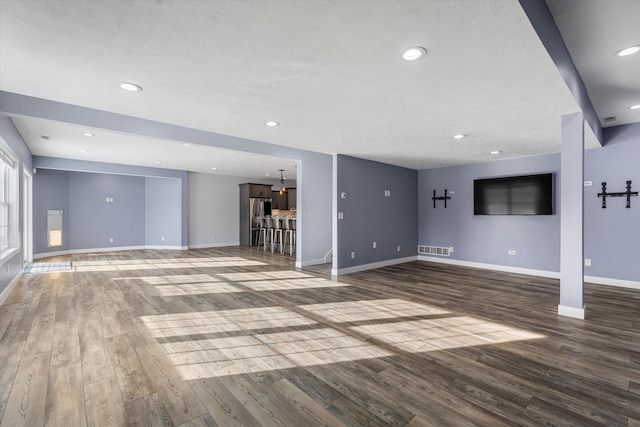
370 216
611 238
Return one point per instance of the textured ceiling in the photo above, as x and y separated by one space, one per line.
593 32
329 71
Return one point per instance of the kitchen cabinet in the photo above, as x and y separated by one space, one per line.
280 201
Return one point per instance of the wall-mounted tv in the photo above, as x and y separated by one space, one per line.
514 195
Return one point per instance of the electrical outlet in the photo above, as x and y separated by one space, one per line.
340 215
375 245
587 262
353 255
512 252
110 239
398 248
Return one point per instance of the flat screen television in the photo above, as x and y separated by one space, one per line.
514 195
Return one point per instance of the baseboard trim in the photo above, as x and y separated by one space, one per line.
497 267
110 249
310 262
5 294
576 313
531 272
213 245
612 282
371 266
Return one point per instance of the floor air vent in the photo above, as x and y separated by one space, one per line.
434 250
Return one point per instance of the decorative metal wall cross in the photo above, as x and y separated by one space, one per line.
445 198
627 193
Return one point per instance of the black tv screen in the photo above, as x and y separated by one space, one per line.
514 195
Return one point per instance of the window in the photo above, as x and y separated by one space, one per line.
8 201
54 227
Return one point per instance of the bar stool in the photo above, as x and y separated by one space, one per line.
277 235
289 231
262 231
268 224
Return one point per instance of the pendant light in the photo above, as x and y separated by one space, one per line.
282 189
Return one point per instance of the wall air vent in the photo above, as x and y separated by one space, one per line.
434 250
609 119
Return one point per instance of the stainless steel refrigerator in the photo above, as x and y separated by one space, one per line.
250 209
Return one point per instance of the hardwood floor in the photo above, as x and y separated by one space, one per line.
236 336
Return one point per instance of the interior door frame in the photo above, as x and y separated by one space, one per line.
27 216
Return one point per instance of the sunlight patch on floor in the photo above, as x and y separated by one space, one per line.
264 275
355 311
196 289
443 333
265 352
384 331
211 322
281 285
162 264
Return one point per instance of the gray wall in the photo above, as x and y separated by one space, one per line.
93 221
144 209
50 191
487 239
163 213
13 266
370 216
611 235
214 210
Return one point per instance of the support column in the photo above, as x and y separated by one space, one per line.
572 217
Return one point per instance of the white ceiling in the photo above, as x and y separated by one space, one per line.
593 31
328 71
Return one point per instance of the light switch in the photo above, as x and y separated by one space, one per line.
340 215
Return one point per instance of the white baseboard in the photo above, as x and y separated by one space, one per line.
213 245
612 282
576 313
371 266
109 249
5 294
310 262
505 268
531 272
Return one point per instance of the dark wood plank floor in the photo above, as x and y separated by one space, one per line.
235 336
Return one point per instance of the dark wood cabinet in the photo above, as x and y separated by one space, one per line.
279 201
259 190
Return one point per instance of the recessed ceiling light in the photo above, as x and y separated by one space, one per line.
84 151
214 169
131 87
271 123
87 134
635 107
628 50
187 145
267 174
496 152
413 53
157 162
459 136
